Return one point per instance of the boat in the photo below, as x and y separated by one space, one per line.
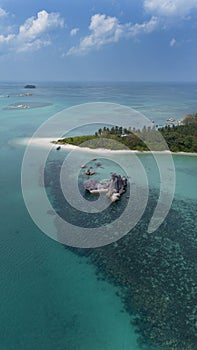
90 172
171 120
22 106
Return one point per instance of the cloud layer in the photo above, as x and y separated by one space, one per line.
37 32
74 31
3 13
33 34
172 42
170 7
105 29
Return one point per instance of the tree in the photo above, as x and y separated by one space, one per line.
100 132
116 130
120 130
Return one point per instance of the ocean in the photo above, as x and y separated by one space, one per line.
139 292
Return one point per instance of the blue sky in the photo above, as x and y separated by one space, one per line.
98 40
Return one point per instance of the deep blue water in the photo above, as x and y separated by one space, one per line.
51 298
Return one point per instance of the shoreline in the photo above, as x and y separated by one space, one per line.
48 143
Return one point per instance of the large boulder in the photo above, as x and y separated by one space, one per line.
113 188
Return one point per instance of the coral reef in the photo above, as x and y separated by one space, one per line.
155 273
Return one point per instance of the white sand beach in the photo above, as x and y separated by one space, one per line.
48 143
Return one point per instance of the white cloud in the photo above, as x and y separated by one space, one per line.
3 13
170 7
74 31
146 27
6 39
172 42
105 29
34 27
33 45
33 34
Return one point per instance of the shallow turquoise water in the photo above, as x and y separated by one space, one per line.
50 298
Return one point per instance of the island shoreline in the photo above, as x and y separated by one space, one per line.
49 143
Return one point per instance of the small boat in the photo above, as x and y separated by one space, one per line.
82 166
22 106
90 172
171 120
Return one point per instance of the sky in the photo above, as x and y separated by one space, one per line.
98 40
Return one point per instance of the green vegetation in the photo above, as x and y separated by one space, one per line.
75 140
180 138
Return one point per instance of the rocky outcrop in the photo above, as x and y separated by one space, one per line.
113 188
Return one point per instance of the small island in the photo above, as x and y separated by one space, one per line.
29 86
179 138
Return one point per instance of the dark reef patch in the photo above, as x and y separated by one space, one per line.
72 215
156 273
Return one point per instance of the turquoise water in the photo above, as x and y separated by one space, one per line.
51 298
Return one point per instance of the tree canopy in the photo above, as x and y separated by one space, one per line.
179 138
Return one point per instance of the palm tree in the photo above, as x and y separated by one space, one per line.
100 132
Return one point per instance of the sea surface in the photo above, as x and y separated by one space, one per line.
55 298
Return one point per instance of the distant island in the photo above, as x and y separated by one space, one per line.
179 138
29 86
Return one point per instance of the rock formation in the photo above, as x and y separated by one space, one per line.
113 188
